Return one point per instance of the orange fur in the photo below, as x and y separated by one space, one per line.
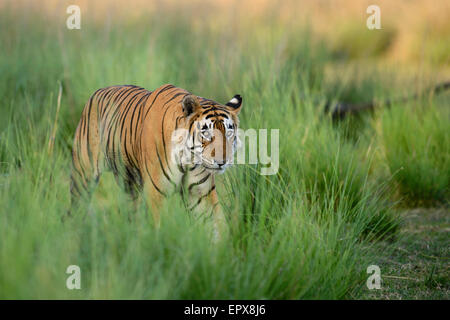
128 130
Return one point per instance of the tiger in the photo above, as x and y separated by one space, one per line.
156 143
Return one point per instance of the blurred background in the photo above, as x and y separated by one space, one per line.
372 187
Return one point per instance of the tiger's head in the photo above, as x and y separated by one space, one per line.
211 139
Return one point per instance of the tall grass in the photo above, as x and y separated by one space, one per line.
300 234
417 144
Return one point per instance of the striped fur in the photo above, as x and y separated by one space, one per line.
128 130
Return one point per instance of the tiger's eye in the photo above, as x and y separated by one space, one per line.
206 134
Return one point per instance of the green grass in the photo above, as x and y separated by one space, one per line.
416 143
308 232
416 266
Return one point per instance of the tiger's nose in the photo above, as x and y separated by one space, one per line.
220 163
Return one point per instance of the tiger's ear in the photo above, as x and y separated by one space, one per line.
190 104
235 103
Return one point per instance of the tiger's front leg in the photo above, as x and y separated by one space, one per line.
220 226
204 203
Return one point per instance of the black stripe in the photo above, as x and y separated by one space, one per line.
150 176
123 116
202 197
204 169
216 115
162 167
114 103
118 104
201 181
156 97
177 95
73 186
112 128
164 140
88 147
139 106
108 94
214 108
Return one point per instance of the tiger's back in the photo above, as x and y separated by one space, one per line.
111 131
